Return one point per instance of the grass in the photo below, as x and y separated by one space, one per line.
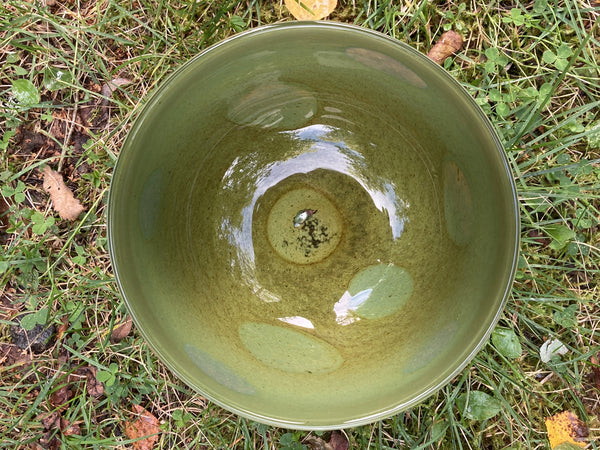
532 66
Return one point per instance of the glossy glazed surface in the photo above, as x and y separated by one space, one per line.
313 225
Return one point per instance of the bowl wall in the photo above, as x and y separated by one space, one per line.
313 225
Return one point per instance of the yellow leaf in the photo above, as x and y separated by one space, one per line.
566 427
310 9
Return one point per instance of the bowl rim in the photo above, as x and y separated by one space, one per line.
482 339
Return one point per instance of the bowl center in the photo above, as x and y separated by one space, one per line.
304 226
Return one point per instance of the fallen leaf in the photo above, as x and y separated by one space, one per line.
63 356
51 423
449 43
539 237
316 443
49 441
144 425
50 420
68 428
63 200
339 441
121 331
62 328
113 85
60 397
310 9
566 427
94 387
596 371
550 348
4 208
95 114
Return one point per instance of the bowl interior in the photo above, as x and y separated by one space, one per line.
313 225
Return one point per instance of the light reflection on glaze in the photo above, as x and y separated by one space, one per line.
319 152
376 291
298 321
346 306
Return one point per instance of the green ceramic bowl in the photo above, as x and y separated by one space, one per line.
313 225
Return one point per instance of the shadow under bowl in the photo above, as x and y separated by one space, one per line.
313 225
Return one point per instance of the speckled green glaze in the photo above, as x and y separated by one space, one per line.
313 225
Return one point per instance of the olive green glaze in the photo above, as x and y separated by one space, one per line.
313 225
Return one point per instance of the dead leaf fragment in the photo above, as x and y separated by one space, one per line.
95 114
62 328
113 85
94 387
50 420
121 331
68 428
4 210
144 425
310 9
449 43
596 371
60 397
339 441
316 443
63 200
566 427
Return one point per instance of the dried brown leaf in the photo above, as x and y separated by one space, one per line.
69 428
113 85
339 441
63 356
566 427
596 371
121 331
50 421
49 441
4 207
62 328
144 425
61 396
94 387
310 9
63 200
316 443
449 43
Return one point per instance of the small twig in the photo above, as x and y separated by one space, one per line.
65 145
